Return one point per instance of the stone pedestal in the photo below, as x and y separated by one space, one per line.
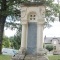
20 56
33 57
23 55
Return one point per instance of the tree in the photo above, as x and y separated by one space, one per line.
6 42
16 39
49 47
7 8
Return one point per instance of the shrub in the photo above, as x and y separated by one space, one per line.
49 47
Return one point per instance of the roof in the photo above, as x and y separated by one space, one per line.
49 39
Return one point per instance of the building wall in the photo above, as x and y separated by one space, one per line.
55 43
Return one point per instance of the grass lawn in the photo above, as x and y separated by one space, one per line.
54 57
5 57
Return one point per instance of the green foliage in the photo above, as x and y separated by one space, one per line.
9 7
49 47
12 7
51 12
6 42
16 39
15 42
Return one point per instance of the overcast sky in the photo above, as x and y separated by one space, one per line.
54 31
9 32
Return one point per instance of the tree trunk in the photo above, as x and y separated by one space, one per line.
2 22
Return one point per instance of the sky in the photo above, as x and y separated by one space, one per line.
8 32
53 31
56 1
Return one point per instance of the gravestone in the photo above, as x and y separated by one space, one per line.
32 21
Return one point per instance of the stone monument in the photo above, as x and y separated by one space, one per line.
32 21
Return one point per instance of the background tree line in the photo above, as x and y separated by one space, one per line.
14 41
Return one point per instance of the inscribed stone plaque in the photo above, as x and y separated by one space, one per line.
32 38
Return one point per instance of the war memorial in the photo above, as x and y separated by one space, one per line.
32 21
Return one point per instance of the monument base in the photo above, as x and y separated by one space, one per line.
34 57
22 55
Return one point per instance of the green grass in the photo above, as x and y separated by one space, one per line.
5 57
54 57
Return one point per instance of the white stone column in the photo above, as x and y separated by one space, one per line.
39 36
23 37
